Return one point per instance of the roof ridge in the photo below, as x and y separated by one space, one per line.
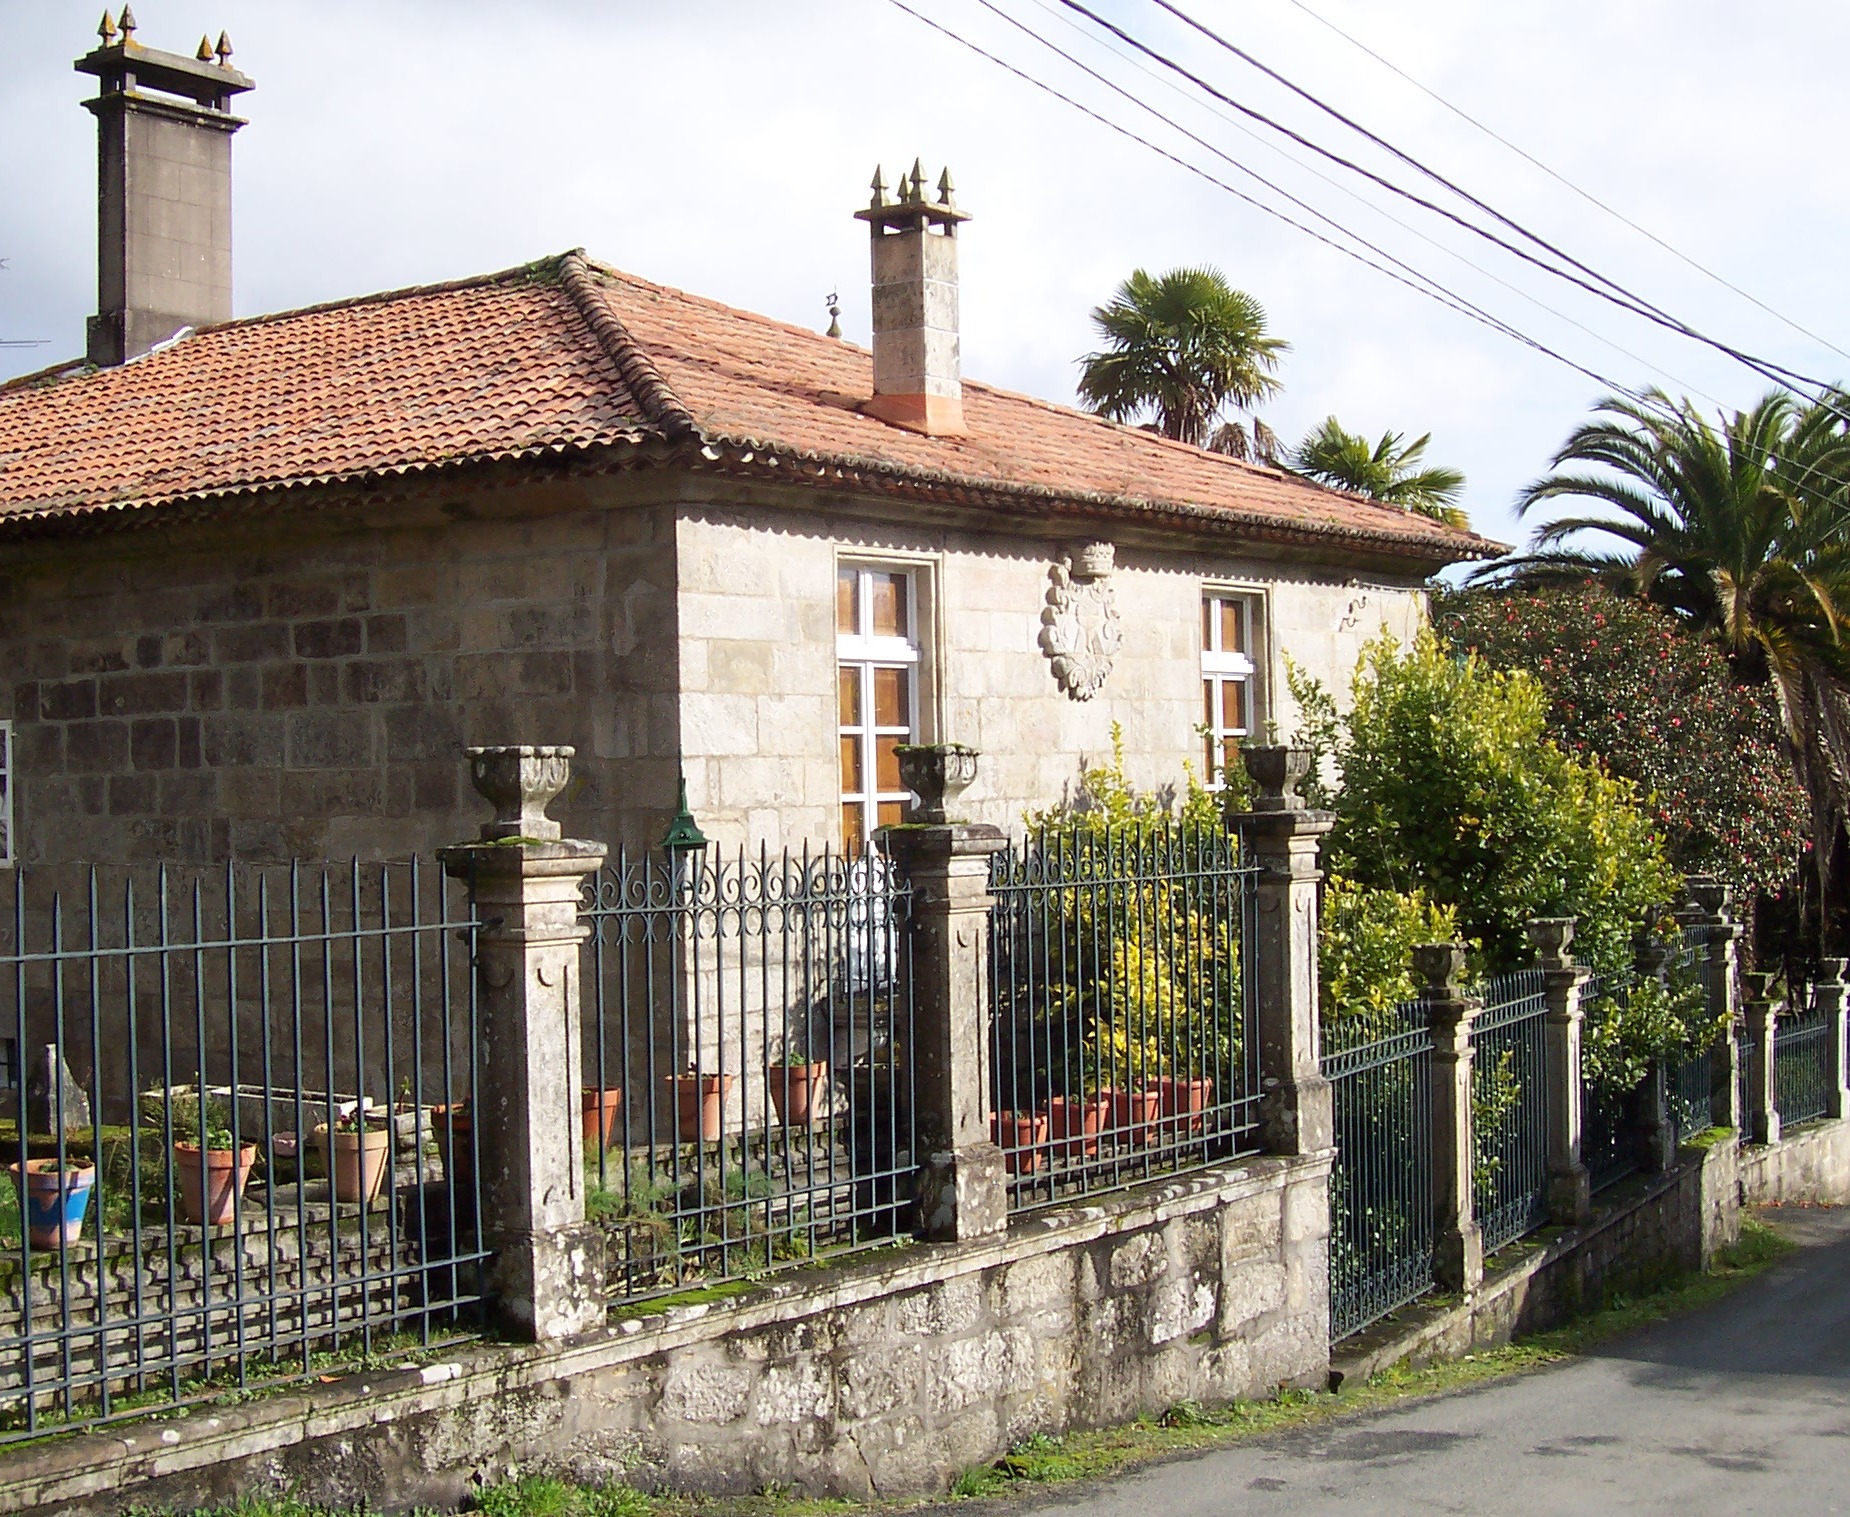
632 359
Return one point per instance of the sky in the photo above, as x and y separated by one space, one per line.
722 146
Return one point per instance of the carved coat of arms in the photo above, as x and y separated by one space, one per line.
1080 633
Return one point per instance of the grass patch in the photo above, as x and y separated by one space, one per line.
1186 1427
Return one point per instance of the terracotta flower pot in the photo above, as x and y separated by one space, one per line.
1183 1103
600 1109
1019 1135
798 1091
54 1200
1074 1123
454 1129
211 1180
700 1106
357 1161
1135 1113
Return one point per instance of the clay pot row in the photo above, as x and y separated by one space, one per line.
1069 1127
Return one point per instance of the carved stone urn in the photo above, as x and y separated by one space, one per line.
1551 937
1711 894
937 773
1756 986
1276 773
520 782
1439 966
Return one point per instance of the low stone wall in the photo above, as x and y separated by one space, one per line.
1645 1231
879 1377
1809 1163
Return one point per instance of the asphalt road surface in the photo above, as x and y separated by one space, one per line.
1740 1408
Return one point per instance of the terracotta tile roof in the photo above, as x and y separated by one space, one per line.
567 357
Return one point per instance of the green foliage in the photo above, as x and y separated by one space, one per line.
1387 471
1179 346
543 1496
1365 956
1631 685
1319 730
1142 970
1450 785
1650 1020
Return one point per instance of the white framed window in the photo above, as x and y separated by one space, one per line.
877 655
1230 635
6 793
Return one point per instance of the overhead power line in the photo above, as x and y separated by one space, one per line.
1565 182
1594 283
1430 288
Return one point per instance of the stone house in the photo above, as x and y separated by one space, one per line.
263 578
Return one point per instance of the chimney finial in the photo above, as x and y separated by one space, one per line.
945 188
917 192
878 186
204 55
834 314
224 49
107 31
128 26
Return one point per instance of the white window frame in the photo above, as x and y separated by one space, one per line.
7 853
1220 667
864 653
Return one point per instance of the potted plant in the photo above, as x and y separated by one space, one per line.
357 1150
600 1114
54 1198
213 1172
453 1126
1074 1123
1019 1134
1182 1103
1134 1113
798 1084
700 1104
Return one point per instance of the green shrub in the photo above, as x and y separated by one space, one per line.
1451 786
1365 956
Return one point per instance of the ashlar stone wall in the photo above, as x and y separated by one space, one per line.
757 658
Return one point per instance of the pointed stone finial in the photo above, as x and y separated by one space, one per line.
127 24
879 189
834 314
224 48
917 194
945 188
204 55
107 31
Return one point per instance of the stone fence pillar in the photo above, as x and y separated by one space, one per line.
1709 897
1570 1186
1832 997
962 1185
1283 839
1458 1243
546 1279
1760 1018
1654 1130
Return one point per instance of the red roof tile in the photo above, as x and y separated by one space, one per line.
568 357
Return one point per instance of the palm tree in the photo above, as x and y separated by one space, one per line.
1182 345
1742 530
1388 472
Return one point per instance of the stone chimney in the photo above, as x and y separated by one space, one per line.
163 194
918 381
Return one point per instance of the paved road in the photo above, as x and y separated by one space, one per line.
1741 1408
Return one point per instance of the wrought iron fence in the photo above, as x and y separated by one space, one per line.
1381 1185
1608 1140
1747 1052
232 1153
1802 1065
1509 1101
1692 1093
749 1097
1121 1015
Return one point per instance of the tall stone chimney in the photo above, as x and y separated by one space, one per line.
918 376
163 190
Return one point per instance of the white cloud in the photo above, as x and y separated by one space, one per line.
722 146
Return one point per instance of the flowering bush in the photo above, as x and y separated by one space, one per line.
1625 683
